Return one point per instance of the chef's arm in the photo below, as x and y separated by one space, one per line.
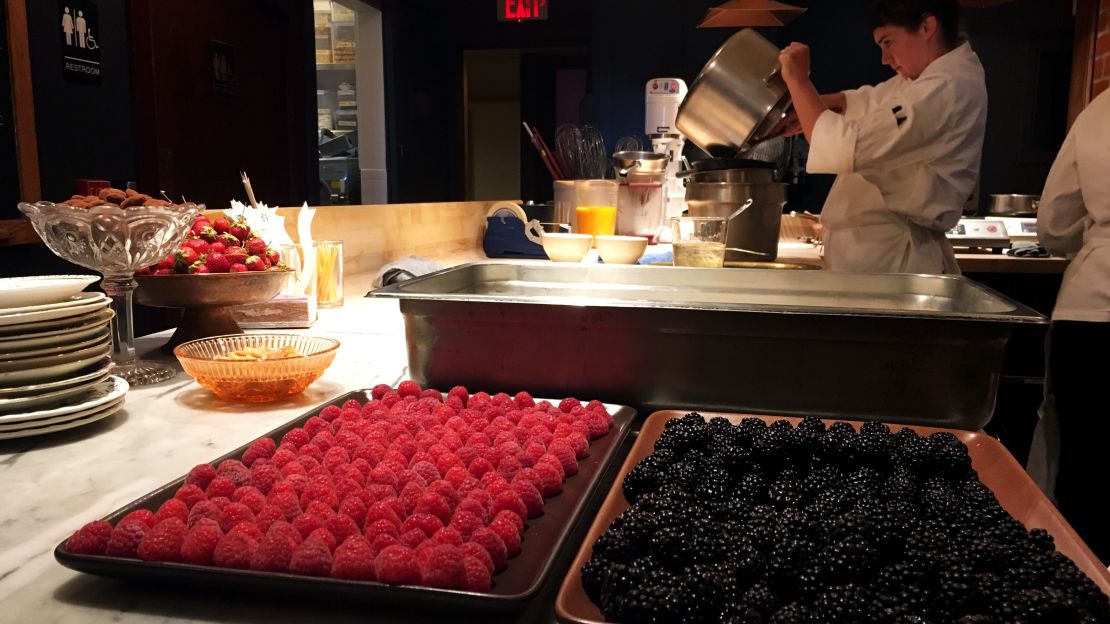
1062 216
808 103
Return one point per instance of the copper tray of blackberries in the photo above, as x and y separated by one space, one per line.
1015 492
512 586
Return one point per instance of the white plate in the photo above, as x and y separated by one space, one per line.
37 290
51 368
57 337
95 373
51 398
101 334
80 298
85 302
99 395
103 412
54 327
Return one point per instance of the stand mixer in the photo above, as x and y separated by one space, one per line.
663 96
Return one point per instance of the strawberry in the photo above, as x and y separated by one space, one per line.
254 263
218 247
164 272
240 230
198 268
236 254
208 234
255 246
198 244
184 258
198 227
217 263
273 256
229 240
166 263
221 225
238 267
143 271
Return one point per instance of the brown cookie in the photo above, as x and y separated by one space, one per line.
113 195
156 202
135 200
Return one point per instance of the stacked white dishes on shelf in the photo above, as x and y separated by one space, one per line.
55 343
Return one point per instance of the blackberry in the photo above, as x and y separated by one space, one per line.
715 484
683 474
698 599
763 526
594 574
672 546
645 476
686 435
753 424
792 613
874 427
616 547
760 598
863 482
730 509
851 559
875 450
736 458
773 448
752 488
811 424
949 455
847 604
784 493
899 485
785 562
840 444
821 479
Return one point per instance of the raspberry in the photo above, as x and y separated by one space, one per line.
408 388
599 424
235 550
474 508
201 542
262 448
529 475
383 476
201 475
580 443
283 455
311 558
312 451
163 542
351 473
382 542
550 480
320 509
319 492
382 510
125 538
352 560
443 568
447 461
413 537
314 426
288 504
235 513
145 516
446 490
251 497
426 523
189 494
568 404
220 486
433 394
286 531
434 504
274 552
460 393
554 462
508 534
473 550
488 539
483 497
564 453
264 476
354 508
342 527
206 510
306 523
269 515
324 441
456 476
427 471
447 535
510 501
479 466
479 401
90 539
172 508
465 523
396 565
389 399
530 496
478 576
324 536
352 404
380 527
378 391
249 529
410 496
296 437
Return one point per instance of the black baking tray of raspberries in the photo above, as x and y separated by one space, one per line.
513 586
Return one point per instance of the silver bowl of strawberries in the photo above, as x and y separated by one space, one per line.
220 265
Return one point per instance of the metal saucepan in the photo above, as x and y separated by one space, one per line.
738 97
1014 205
628 162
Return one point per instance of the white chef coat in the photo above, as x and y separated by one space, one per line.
907 153
1074 215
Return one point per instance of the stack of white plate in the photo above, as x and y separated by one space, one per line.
55 343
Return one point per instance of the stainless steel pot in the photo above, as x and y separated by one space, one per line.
628 162
738 97
754 213
1014 205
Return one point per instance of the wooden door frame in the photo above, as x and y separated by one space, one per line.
1083 57
19 231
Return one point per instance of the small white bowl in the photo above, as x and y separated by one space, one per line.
621 249
567 247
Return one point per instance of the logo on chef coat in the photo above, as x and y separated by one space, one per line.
79 28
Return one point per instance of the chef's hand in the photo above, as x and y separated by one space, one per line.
789 126
795 62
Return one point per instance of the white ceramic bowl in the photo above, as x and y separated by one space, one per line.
621 249
567 247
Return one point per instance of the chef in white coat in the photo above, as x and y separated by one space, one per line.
1074 220
906 151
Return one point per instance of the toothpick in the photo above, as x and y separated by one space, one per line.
250 191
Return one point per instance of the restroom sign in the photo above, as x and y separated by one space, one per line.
79 32
521 10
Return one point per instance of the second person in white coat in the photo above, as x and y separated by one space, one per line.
906 151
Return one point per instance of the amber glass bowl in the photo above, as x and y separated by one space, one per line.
256 381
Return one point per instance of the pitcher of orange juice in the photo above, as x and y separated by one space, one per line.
596 207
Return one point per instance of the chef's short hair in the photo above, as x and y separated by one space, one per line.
910 13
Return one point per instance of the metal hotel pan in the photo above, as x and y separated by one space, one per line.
918 349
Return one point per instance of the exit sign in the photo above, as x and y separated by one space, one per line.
521 10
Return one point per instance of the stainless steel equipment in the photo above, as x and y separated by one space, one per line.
1012 205
738 97
921 349
662 98
625 163
731 170
754 213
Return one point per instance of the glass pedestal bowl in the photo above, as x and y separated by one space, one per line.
116 242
